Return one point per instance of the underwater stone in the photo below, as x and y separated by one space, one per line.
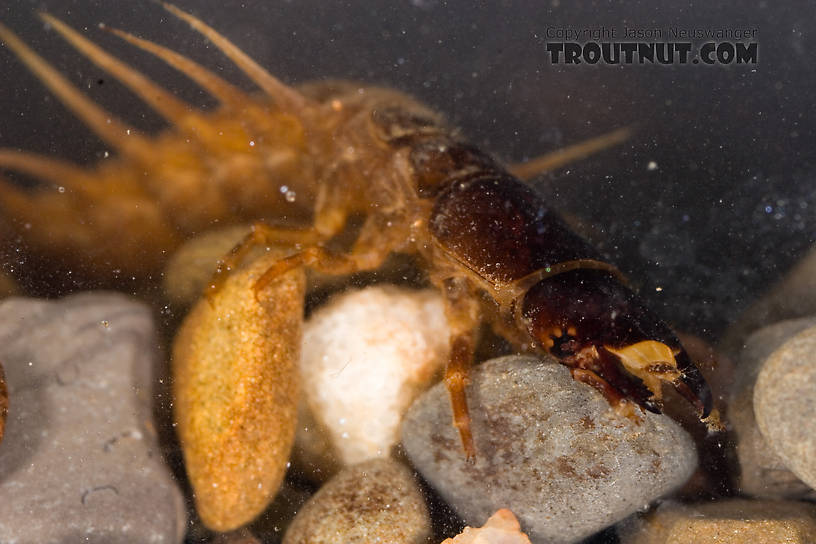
735 521
501 528
785 401
235 391
366 356
548 448
81 459
375 501
763 473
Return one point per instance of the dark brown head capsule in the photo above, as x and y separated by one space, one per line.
600 328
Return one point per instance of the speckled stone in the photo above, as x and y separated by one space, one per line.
734 521
763 473
375 501
785 404
548 448
235 392
80 461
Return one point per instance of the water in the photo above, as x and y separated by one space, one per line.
709 203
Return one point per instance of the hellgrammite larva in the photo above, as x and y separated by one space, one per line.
301 162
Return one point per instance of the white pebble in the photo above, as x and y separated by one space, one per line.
366 356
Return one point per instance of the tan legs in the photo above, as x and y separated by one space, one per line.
368 253
592 379
621 405
322 260
463 314
260 234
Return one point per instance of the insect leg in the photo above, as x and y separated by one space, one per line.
463 312
372 247
612 395
330 216
317 258
260 234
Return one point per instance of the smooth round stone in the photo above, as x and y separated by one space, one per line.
375 501
235 392
548 448
785 404
763 473
81 461
367 355
731 521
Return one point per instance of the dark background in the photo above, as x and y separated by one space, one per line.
731 206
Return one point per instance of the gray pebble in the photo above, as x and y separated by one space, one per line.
374 501
785 404
762 472
548 448
80 460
